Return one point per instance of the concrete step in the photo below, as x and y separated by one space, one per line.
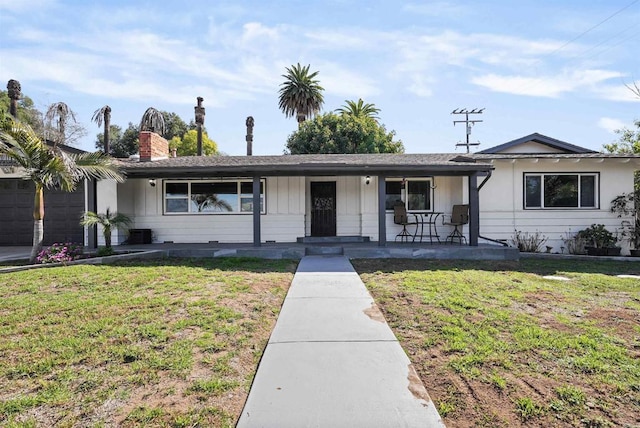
320 250
333 239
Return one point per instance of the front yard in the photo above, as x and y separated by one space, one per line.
161 343
497 345
175 343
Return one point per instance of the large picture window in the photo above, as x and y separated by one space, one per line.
416 194
210 197
565 190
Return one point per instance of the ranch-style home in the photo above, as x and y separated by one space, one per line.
532 184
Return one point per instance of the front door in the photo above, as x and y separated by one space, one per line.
323 208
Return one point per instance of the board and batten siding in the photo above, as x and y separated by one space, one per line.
449 191
284 221
502 199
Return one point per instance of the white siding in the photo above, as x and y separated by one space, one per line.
501 199
107 197
284 221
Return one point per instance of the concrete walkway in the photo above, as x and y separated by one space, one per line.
332 360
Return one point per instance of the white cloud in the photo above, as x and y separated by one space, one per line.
545 86
610 124
346 83
616 93
25 6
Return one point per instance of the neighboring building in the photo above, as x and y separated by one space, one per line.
535 183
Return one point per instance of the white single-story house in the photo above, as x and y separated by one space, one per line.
532 184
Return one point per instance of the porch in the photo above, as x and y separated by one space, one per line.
352 250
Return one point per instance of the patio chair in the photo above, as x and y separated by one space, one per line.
459 217
401 217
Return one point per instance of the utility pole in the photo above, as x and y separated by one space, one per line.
468 123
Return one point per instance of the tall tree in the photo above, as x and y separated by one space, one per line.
174 126
301 93
628 140
27 112
49 167
187 145
153 120
634 88
123 143
359 109
14 90
331 133
103 114
66 129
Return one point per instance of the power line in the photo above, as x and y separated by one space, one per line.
592 28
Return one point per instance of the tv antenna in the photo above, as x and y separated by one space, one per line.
468 122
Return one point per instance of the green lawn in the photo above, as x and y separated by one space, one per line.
176 343
156 343
499 346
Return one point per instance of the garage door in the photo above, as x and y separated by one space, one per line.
62 214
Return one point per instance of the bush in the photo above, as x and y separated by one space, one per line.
598 236
574 243
105 251
528 243
60 253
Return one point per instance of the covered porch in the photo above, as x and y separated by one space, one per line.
277 196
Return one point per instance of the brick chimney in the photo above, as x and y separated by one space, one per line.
152 147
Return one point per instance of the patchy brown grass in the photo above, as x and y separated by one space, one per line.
499 346
160 343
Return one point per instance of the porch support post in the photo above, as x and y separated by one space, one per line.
474 210
91 205
256 211
382 215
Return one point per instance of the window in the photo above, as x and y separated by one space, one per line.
415 194
210 197
561 190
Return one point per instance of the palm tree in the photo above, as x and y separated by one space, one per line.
49 167
108 221
100 115
359 109
300 94
14 92
152 120
62 113
211 201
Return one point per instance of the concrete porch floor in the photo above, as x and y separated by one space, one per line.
352 250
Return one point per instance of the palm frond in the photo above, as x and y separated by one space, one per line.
96 165
152 120
101 114
301 93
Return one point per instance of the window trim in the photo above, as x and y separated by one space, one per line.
579 174
404 192
237 181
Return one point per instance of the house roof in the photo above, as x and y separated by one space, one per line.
308 165
561 146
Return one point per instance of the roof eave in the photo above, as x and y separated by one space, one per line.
306 170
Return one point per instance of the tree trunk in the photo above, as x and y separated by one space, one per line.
13 108
38 223
107 237
107 123
301 117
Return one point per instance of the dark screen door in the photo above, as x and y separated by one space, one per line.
323 208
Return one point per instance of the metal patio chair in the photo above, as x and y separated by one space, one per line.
459 217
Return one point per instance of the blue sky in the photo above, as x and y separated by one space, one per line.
546 66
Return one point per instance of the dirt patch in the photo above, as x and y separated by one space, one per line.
538 358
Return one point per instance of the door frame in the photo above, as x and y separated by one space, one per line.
332 227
